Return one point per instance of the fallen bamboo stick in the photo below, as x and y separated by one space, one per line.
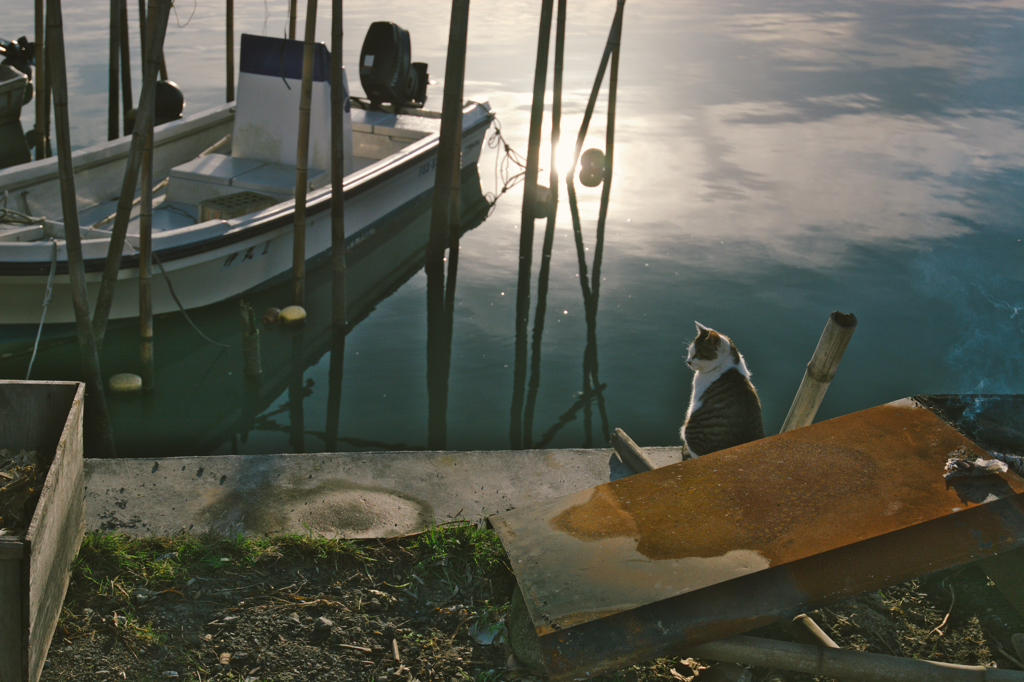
843 663
820 370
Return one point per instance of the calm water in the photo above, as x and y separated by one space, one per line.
773 162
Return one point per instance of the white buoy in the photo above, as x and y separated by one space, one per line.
293 314
125 383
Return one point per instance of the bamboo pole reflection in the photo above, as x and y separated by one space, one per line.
296 393
593 389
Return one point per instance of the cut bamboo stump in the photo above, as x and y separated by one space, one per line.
35 568
630 453
820 370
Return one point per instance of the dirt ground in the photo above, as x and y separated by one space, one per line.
427 608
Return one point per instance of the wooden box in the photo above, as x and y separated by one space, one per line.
35 568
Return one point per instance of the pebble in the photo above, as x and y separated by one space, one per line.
323 623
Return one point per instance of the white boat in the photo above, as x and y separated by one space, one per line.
223 225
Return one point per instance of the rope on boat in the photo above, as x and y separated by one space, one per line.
9 215
170 288
509 166
46 302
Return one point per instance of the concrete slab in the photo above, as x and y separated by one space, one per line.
345 495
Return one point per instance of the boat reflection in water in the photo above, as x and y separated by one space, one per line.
202 400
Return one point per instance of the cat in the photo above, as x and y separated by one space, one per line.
724 408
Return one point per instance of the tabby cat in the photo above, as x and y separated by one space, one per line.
724 407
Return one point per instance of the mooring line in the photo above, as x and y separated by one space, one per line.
46 302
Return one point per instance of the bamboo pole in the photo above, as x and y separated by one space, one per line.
451 126
445 193
339 267
526 229
146 263
302 162
160 9
143 24
126 70
230 44
536 121
42 126
820 370
843 663
113 72
292 11
613 41
543 277
76 265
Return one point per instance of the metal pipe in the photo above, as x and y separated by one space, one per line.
820 370
76 264
843 663
302 161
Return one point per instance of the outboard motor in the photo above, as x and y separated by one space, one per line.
19 55
385 70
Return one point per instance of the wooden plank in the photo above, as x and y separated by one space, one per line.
34 413
34 571
13 624
55 533
11 548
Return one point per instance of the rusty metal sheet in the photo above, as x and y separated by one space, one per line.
701 549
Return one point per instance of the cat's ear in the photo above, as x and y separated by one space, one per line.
700 327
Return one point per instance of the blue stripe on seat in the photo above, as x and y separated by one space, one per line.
281 57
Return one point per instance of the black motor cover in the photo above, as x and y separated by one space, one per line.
385 68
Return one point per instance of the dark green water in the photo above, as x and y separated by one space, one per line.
773 162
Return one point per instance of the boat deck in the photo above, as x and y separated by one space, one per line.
376 135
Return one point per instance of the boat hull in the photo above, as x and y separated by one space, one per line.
220 259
